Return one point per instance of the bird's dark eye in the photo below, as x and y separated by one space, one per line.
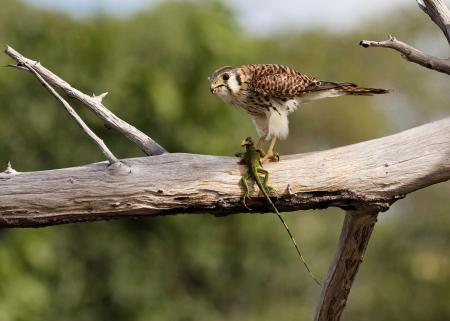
225 76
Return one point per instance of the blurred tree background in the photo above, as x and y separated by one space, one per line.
155 65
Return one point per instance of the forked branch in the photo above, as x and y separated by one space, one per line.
105 150
440 14
411 54
145 143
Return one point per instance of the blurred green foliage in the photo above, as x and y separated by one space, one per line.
155 65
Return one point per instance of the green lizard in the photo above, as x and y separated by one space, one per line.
252 158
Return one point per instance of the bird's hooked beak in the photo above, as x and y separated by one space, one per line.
215 85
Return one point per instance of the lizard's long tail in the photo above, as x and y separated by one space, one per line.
296 246
264 191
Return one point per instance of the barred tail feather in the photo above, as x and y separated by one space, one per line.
353 89
327 89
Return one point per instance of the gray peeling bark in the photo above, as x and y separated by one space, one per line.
372 174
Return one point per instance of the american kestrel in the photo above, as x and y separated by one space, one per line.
270 92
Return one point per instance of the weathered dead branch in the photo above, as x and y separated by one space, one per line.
356 231
371 174
411 54
440 14
100 144
145 143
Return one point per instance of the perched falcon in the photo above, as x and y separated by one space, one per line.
270 92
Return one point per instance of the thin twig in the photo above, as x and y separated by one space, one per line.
145 143
17 66
411 54
105 150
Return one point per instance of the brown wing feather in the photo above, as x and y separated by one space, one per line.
278 80
284 82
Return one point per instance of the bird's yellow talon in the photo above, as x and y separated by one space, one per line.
274 158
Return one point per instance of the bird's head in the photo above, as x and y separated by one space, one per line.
225 82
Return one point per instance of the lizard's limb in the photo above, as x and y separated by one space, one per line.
244 183
265 182
254 170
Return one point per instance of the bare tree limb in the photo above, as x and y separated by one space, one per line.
99 142
356 231
145 143
411 54
371 174
345 264
439 13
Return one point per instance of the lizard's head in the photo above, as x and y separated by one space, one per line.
247 142
225 83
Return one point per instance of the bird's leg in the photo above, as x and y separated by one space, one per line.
270 155
271 146
259 146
